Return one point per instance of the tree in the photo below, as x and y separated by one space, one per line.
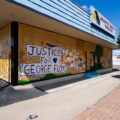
99 54
118 38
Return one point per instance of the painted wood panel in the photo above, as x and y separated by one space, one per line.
5 53
49 54
45 55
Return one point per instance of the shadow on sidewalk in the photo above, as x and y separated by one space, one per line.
9 95
116 76
59 84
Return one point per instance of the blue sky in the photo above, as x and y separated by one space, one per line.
109 8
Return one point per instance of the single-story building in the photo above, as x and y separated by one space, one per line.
116 59
41 40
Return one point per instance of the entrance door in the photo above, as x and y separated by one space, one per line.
92 61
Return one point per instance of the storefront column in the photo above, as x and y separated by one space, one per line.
14 53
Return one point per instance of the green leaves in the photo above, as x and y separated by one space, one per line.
99 51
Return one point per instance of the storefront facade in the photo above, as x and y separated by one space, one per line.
40 52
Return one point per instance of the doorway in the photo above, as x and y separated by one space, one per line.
92 61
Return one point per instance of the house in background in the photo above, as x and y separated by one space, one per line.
41 40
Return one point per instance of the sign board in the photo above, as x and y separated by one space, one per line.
116 60
99 20
116 57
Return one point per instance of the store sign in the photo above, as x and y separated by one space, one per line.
99 20
116 60
118 57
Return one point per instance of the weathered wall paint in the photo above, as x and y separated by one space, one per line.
43 54
89 47
5 53
106 59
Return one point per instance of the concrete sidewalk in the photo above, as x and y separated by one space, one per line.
63 103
